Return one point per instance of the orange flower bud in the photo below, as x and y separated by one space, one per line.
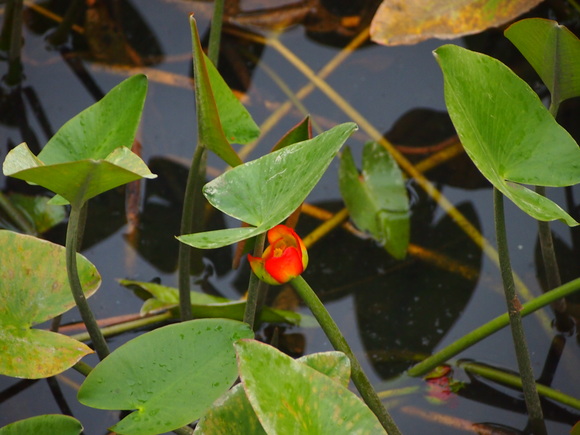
283 260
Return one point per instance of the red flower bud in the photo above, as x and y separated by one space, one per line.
283 260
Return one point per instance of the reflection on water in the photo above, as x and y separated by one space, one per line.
398 310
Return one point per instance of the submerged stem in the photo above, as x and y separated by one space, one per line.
514 310
359 378
75 284
515 381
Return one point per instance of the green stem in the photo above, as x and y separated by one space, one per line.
515 381
215 32
83 368
192 215
490 328
330 328
255 286
58 37
121 328
13 30
563 321
194 183
71 265
514 310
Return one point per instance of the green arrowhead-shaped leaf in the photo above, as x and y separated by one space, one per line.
553 51
170 376
233 414
77 181
300 132
98 130
507 132
33 289
377 199
290 397
266 191
237 123
210 130
44 425
209 306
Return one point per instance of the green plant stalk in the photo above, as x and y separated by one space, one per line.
512 380
563 321
490 328
195 180
255 286
14 75
359 378
59 36
547 246
514 310
73 278
215 32
83 368
192 215
127 326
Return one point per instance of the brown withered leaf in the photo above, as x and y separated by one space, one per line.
404 22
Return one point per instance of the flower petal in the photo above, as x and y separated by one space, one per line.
257 265
285 267
285 233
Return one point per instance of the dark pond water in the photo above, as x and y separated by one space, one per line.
389 310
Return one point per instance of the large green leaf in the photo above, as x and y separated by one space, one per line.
170 376
233 414
77 181
377 199
50 424
210 130
33 289
290 397
90 153
160 297
98 130
267 190
507 132
553 51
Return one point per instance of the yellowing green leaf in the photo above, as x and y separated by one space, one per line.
398 22
33 289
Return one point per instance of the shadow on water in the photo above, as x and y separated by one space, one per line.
396 312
